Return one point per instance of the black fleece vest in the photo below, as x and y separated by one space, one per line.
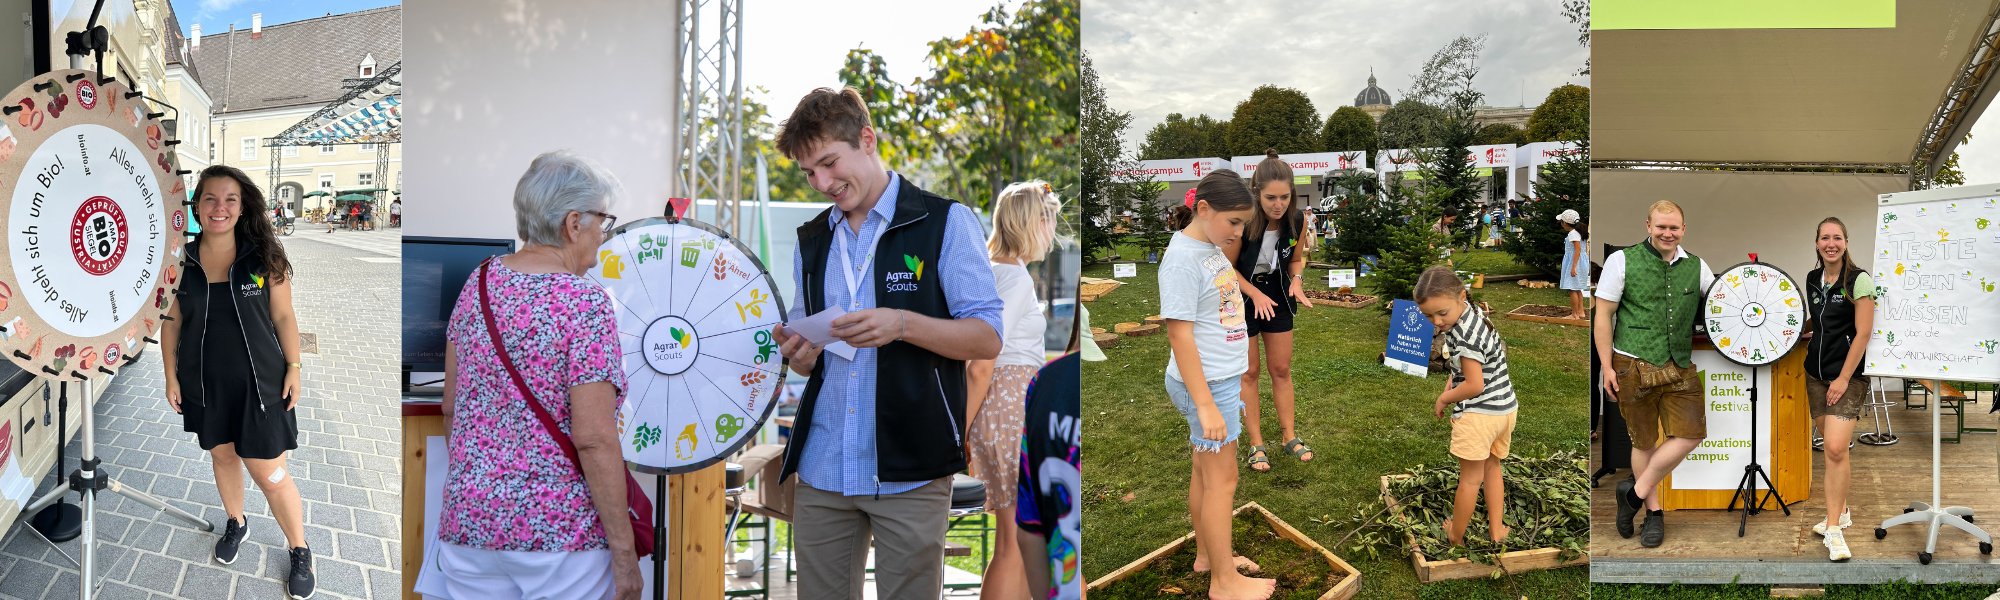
1832 313
250 297
1253 243
919 395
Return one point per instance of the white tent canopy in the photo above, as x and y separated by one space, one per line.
1856 96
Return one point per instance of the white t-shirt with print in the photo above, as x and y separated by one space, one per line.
1198 285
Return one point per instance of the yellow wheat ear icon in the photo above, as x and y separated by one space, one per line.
916 266
257 278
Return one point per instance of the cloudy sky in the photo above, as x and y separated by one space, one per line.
1981 159
1157 57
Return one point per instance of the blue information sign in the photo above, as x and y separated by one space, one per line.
1410 334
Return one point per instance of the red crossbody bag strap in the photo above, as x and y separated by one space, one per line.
527 395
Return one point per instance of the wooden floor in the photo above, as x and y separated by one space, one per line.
1886 480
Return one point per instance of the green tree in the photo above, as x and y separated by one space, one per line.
1217 145
760 132
1274 117
1499 133
1448 176
1949 173
1103 193
1409 124
1153 227
1563 115
1361 220
1411 246
1177 137
1000 105
1565 185
1348 128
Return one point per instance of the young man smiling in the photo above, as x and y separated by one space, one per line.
878 436
1654 291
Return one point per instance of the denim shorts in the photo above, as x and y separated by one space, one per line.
1228 394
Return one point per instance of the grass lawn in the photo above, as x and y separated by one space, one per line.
1362 419
1898 590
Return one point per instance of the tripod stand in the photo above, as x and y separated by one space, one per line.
86 481
1747 489
1936 513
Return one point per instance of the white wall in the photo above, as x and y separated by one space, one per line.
487 87
1731 214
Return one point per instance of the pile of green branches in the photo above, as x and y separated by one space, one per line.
1548 506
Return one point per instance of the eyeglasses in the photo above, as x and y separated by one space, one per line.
610 220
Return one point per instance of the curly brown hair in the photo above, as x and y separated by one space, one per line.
253 226
823 115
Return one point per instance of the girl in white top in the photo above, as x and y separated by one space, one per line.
1024 227
1201 304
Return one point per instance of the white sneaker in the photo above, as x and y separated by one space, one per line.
1845 522
1836 547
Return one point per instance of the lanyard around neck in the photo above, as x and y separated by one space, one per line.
854 275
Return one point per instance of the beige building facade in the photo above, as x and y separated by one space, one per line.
265 79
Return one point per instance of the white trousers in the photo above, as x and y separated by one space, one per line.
506 575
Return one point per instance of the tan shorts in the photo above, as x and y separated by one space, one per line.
1847 407
1475 436
1654 414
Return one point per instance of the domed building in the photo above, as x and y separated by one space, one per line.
1373 100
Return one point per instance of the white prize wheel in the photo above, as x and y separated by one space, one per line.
695 313
1755 313
95 224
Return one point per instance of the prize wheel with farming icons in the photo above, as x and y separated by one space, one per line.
94 221
1755 313
695 312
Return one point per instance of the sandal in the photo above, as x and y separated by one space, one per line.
1255 460
1298 448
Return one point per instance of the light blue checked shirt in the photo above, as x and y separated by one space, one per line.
839 455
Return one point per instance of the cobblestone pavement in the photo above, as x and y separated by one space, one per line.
348 464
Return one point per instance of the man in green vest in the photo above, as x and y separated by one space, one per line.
1653 291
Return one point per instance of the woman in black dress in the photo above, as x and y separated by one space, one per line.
233 374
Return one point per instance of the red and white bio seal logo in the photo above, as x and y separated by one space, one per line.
111 355
97 235
179 220
86 93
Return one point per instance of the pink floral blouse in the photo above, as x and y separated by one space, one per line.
510 487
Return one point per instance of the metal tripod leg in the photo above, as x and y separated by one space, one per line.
142 498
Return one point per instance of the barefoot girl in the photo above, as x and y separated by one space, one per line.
1203 311
1480 398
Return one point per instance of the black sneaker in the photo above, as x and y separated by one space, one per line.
1625 507
232 540
300 585
1655 529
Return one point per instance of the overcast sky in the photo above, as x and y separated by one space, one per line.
1157 57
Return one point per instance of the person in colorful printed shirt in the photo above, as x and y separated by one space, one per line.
1647 300
1047 511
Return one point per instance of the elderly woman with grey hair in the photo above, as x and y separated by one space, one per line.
522 518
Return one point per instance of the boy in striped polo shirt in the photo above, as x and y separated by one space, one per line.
1480 397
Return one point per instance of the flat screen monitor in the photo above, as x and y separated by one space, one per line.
435 269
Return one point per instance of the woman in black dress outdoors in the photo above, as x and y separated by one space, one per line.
233 374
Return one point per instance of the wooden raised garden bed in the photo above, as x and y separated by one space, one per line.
1343 300
1094 288
1461 568
1543 313
1163 573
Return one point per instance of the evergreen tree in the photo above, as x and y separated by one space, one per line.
1411 246
1448 174
1361 220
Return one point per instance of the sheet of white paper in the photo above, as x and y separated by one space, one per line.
818 329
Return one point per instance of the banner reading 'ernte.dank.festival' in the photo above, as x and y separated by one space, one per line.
1936 267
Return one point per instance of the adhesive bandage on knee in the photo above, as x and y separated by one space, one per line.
277 476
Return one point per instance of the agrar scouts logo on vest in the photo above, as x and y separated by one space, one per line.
904 281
